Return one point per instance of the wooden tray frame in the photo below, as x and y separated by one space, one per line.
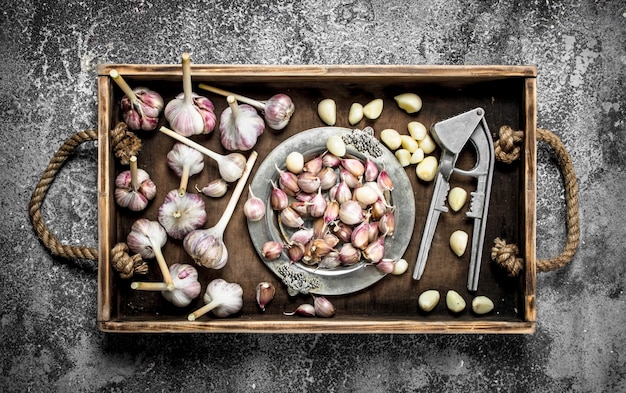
109 317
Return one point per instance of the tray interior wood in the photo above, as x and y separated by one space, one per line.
394 297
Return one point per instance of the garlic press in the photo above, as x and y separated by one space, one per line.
452 135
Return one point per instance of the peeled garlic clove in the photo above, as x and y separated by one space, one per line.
428 300
427 168
482 305
404 157
417 130
373 109
410 102
400 267
427 144
294 162
327 110
408 143
323 307
457 198
455 302
391 138
336 146
417 156
356 113
458 242
264 294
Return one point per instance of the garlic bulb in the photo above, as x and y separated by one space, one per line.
133 188
180 215
140 106
206 246
189 113
185 161
186 285
222 298
230 166
277 110
147 238
240 126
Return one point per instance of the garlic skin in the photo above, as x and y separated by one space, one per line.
215 188
278 111
186 285
189 113
323 307
304 310
240 126
185 161
222 298
254 208
147 238
264 294
180 215
140 106
134 188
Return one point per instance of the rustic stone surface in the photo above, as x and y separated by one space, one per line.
48 335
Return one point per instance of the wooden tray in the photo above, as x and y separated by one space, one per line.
507 93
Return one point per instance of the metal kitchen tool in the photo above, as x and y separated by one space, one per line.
452 136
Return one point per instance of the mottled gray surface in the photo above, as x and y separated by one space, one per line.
48 54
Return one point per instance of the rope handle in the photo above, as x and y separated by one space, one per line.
507 149
125 144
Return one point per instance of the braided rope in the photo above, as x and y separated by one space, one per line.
507 150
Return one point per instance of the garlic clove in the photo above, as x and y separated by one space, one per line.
304 310
349 255
271 250
400 267
391 138
373 109
386 265
308 182
294 162
327 111
354 166
456 198
374 251
350 212
371 170
337 147
323 307
264 294
215 188
290 218
355 114
417 130
428 300
410 102
458 242
254 207
455 302
482 305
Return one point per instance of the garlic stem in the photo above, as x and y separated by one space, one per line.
117 78
255 103
215 156
232 103
184 179
165 271
187 89
220 227
203 310
149 286
134 180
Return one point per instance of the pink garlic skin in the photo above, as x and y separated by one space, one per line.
125 196
206 249
241 132
144 113
187 120
186 284
181 215
278 110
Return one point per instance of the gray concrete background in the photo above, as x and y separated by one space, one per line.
48 54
